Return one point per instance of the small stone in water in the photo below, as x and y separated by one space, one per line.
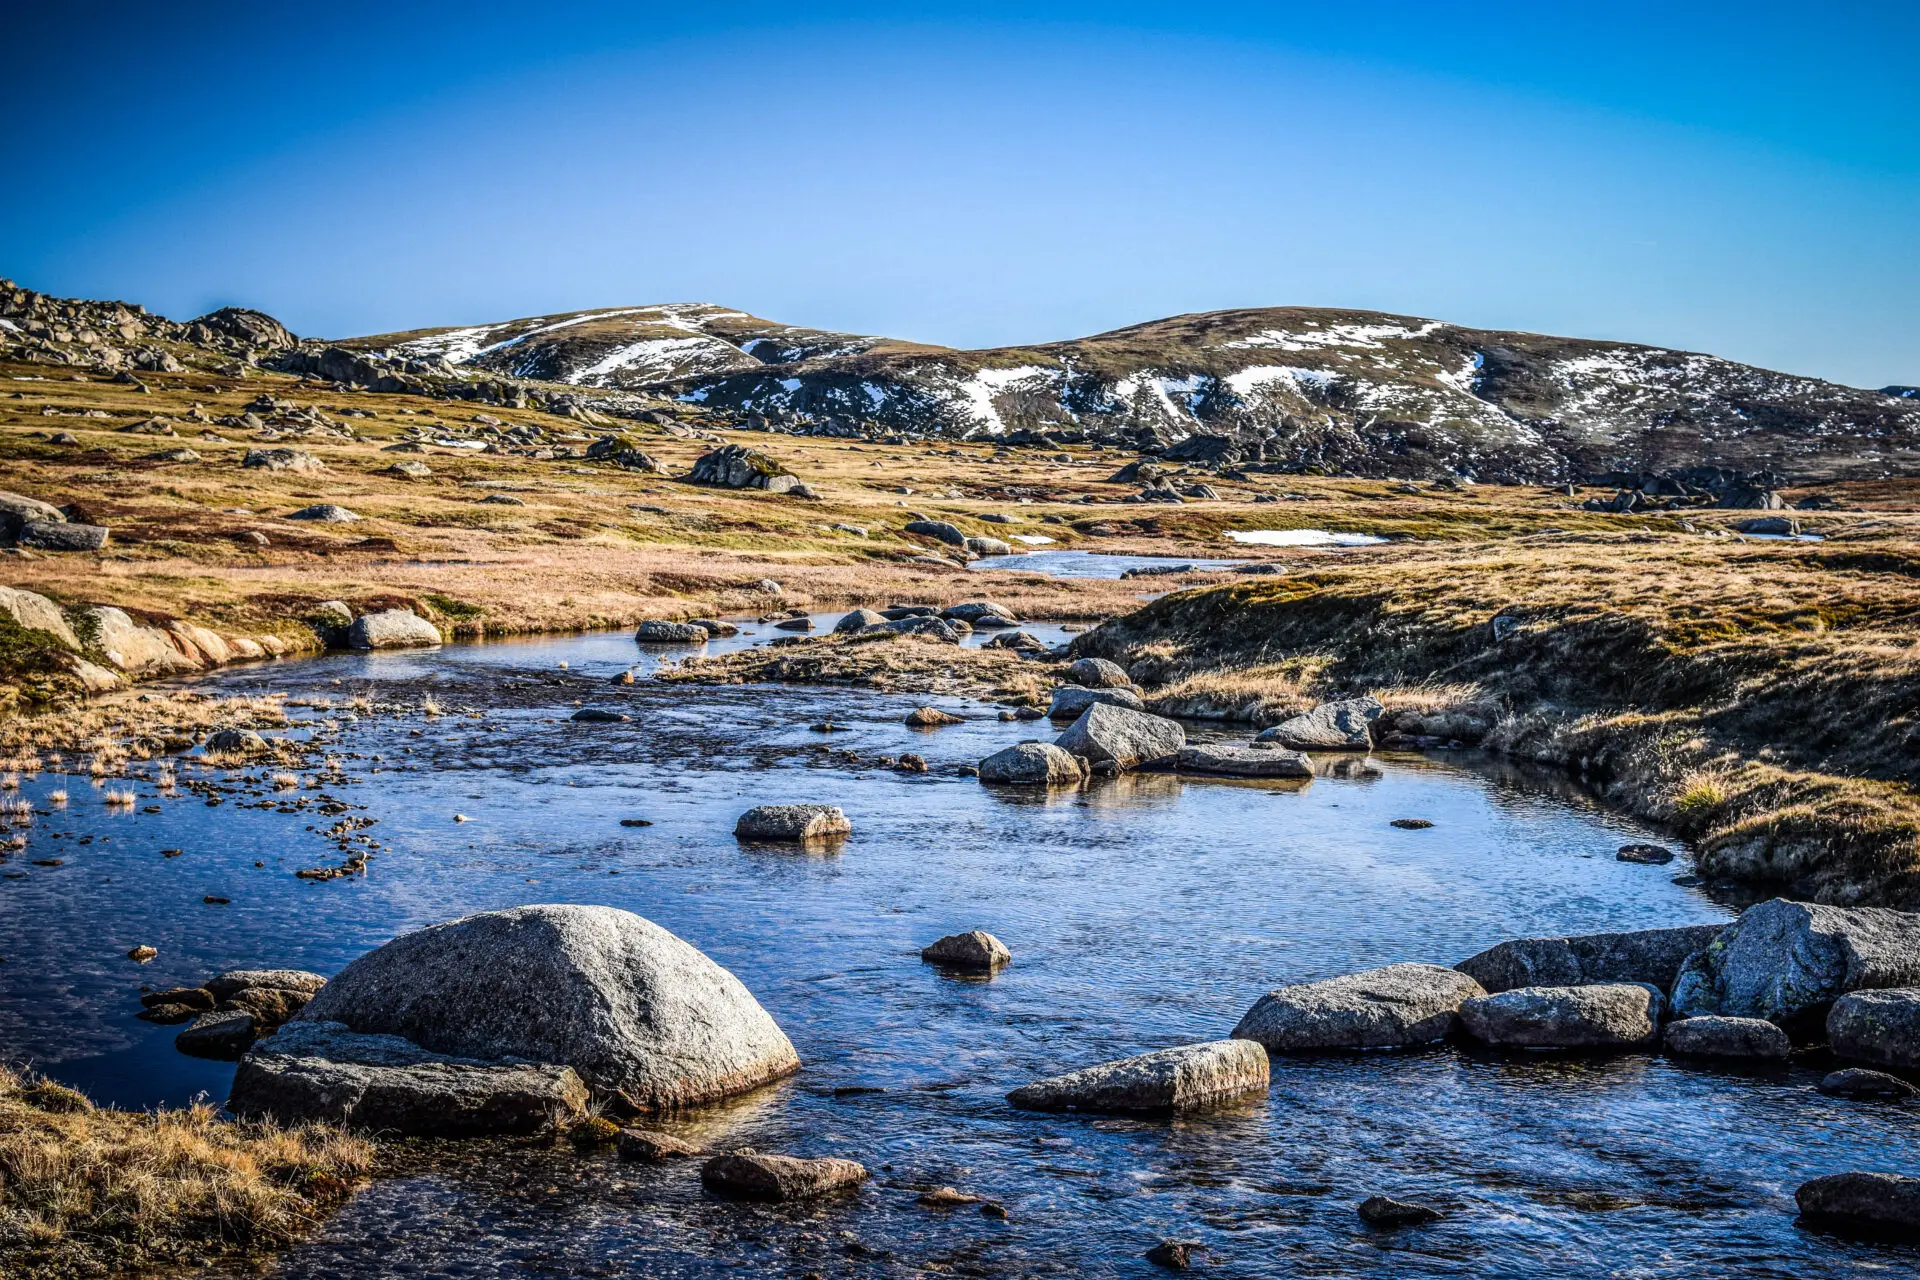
635 822
214 901
142 954
1411 824
1650 855
946 1198
1385 1211
1174 1255
171 853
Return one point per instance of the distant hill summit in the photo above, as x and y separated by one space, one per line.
1347 391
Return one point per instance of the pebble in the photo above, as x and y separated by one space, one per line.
1411 824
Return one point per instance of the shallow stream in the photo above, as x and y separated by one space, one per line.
1142 912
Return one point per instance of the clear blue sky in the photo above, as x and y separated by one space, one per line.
1741 178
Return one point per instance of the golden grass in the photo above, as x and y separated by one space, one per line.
89 1191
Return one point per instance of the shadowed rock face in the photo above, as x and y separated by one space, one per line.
1877 1201
1170 1080
1644 955
1788 961
1881 1027
1395 1007
636 1011
1713 1037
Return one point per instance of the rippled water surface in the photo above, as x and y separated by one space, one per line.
1142 912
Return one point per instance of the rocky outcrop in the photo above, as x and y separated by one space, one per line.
139 650
1191 1075
62 535
656 631
1243 762
1127 738
1881 1027
1070 700
1396 1007
1098 673
1331 726
1032 764
792 823
391 629
1788 961
641 1016
734 466
1643 955
975 949
37 613
1753 1039
1616 1016
748 1175
322 1072
1886 1203
298 461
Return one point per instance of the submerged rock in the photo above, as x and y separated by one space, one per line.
792 823
392 629
1128 739
1174 1255
1716 1037
1615 1016
234 981
1032 764
1395 1007
595 715
778 1179
1860 1082
1191 1075
323 1072
1332 726
1881 1027
1880 1202
1244 762
1788 961
1070 700
1643 955
1385 1211
647 1146
223 1035
635 1010
975 949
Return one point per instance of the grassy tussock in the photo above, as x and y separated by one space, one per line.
1759 698
86 1191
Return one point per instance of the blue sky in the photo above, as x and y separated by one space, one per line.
1742 179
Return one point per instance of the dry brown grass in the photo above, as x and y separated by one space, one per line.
86 1191
1760 697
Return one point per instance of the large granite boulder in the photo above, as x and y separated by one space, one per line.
1395 1007
391 629
1127 738
858 620
1617 1016
1069 700
1881 1027
1788 961
1753 1039
1882 1203
640 1014
37 613
1191 1075
322 1072
17 510
1098 673
62 535
1032 764
1332 726
950 534
1243 762
734 466
1643 955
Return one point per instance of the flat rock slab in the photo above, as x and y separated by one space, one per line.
595 715
648 1146
1128 739
1644 955
1615 1016
1346 725
1244 762
1788 961
47 535
975 949
778 1179
223 1035
1881 1027
1033 764
234 981
322 1072
792 823
1396 1007
640 1014
1070 700
1879 1202
1754 1039
1191 1075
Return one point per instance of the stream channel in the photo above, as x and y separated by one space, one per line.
1142 911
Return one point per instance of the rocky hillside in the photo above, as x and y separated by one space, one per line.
1347 391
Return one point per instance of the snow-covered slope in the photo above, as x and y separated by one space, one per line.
1349 390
